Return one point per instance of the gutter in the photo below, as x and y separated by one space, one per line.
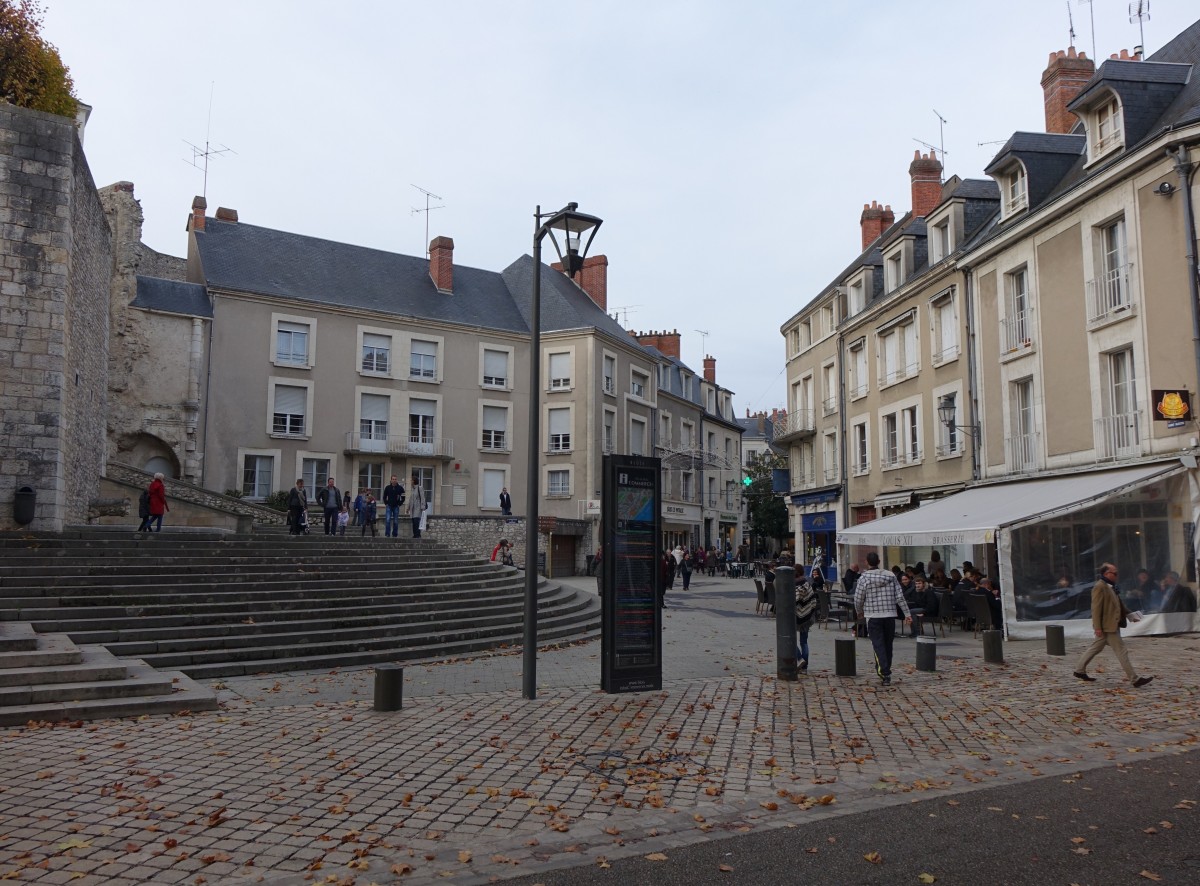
1186 169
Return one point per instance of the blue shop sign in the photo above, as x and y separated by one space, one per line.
826 521
817 498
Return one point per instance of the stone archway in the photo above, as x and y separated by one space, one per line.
148 453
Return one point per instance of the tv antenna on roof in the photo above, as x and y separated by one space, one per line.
703 341
942 121
429 195
208 150
1140 10
623 310
1092 16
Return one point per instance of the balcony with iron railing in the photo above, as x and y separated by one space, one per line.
1110 296
1119 436
832 474
1111 140
1021 451
893 374
797 423
1016 333
358 443
858 389
899 458
946 353
829 406
805 477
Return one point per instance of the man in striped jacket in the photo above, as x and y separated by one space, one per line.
877 595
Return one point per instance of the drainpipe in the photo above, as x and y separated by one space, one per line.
973 423
842 447
1185 168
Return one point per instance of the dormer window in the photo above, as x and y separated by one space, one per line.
894 269
940 245
1105 129
1016 190
858 297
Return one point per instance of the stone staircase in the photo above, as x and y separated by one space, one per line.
47 677
214 604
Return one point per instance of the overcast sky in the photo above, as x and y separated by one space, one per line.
729 147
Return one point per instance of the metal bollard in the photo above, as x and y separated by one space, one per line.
1056 640
843 657
389 687
993 647
785 623
926 654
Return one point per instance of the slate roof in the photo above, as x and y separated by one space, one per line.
172 297
975 189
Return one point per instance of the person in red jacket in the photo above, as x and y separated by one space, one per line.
158 503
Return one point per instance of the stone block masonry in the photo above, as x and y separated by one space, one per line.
55 262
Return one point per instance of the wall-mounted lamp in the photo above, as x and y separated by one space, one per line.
1165 189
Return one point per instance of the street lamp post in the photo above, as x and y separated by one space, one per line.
572 225
947 411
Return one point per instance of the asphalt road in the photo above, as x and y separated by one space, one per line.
1137 824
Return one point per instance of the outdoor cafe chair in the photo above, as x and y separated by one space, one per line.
826 609
979 612
762 597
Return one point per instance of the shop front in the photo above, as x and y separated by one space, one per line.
816 531
728 530
680 526
1046 539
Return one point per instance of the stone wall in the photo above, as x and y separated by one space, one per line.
478 535
181 491
150 414
56 253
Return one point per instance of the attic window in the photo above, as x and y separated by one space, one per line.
1107 134
1016 190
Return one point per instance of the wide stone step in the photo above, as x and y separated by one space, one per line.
53 650
169 575
14 567
186 695
434 648
17 638
136 679
96 663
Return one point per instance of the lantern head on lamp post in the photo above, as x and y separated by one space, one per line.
947 410
577 230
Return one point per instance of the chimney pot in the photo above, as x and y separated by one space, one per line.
710 369
926 174
228 215
1064 78
199 204
875 219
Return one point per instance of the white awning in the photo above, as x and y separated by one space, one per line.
974 515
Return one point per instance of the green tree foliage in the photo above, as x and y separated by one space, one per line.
32 74
768 512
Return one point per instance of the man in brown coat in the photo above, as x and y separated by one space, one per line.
1107 615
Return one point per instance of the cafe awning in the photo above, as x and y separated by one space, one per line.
974 515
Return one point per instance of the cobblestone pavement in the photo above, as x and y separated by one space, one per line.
297 780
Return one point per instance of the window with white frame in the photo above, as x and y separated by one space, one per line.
1017 325
291 343
423 360
827 321
610 374
315 473
1110 290
373 421
943 313
910 421
685 382
829 457
376 353
897 345
894 271
422 420
664 430
686 486
862 451
829 389
712 492
806 467
558 483
793 340
637 436
890 449
858 297
370 476
492 481
1106 130
687 434
258 476
806 333
1120 431
560 371
712 442
610 431
495 369
559 427
939 241
859 383
1015 189
495 429
638 382
288 413
1022 441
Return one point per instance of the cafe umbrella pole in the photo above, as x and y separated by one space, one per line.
573 225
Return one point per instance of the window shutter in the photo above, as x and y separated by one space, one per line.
495 418
375 407
560 421
290 399
422 407
495 365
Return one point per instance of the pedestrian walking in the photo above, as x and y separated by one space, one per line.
393 498
144 510
329 499
297 503
416 506
1109 615
343 520
685 567
505 502
370 513
158 503
806 615
877 595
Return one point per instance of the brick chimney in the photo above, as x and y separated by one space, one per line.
441 263
592 279
926 174
710 369
1126 55
875 219
667 342
199 204
227 215
1063 79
